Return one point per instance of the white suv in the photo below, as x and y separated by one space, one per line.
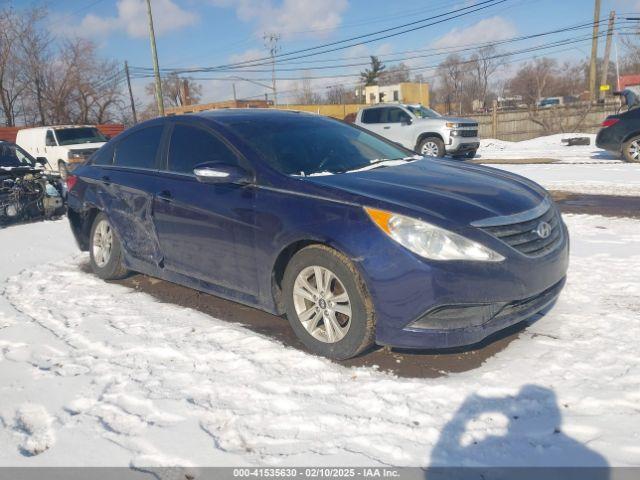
421 129
63 147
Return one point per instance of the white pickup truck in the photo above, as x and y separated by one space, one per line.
421 129
63 147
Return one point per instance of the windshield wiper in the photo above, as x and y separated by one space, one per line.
377 163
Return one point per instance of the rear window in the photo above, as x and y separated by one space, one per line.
139 149
372 115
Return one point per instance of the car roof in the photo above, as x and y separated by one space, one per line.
250 113
56 127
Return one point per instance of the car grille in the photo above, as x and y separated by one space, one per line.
86 152
524 236
469 133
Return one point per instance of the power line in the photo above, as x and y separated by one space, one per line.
460 12
140 71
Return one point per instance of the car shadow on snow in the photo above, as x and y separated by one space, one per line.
523 431
404 363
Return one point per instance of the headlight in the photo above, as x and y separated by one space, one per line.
455 133
74 155
430 241
453 125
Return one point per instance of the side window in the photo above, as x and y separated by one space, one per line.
395 115
50 141
371 116
191 146
104 156
139 149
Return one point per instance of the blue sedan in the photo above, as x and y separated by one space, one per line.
355 239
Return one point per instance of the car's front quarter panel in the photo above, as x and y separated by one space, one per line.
402 285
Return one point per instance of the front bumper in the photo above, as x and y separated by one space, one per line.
411 294
419 335
462 145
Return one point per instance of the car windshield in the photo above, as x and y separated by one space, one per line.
549 101
12 156
423 112
72 136
301 145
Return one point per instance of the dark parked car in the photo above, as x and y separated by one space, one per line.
620 133
355 239
27 191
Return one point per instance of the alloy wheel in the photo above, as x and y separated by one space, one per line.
102 243
430 149
634 149
322 304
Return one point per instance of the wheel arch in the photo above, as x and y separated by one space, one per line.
280 265
424 135
81 222
629 136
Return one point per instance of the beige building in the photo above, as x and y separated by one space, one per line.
406 92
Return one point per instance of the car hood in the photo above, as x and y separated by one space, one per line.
455 193
84 146
450 119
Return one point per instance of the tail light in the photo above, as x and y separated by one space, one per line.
610 122
71 181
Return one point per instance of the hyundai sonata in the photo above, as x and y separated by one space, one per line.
355 239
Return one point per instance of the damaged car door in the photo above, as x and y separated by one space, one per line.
206 230
126 189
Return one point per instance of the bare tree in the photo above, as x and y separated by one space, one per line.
483 64
452 74
306 95
177 91
533 79
396 74
12 84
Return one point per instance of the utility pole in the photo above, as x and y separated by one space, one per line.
235 98
133 105
154 58
271 42
594 51
607 53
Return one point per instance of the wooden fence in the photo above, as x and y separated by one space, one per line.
8 134
528 124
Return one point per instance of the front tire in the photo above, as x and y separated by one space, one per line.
327 304
431 147
105 250
631 150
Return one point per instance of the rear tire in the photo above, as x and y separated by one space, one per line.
342 301
105 250
431 147
631 150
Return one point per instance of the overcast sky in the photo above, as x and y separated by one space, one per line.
194 33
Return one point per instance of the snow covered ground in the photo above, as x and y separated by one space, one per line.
596 179
547 147
92 367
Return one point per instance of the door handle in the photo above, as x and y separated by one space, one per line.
164 195
386 128
106 179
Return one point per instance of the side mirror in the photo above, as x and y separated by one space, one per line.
42 161
408 121
211 172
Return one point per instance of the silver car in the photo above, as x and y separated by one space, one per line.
421 129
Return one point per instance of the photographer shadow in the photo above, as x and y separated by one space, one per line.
512 437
